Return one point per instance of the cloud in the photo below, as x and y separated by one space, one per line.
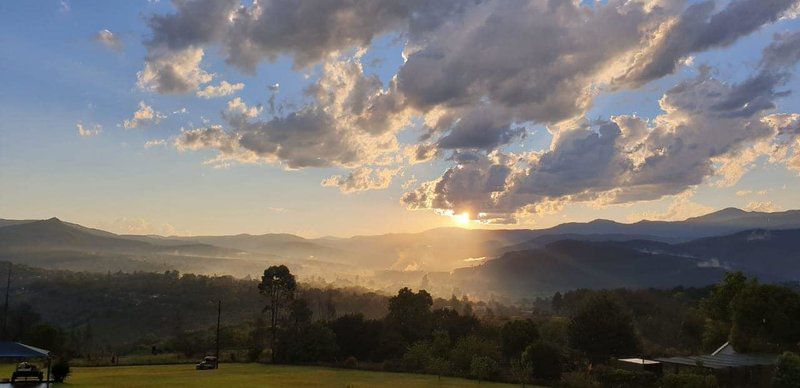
701 28
144 116
173 72
223 89
475 77
307 30
237 109
681 208
352 122
362 179
708 128
109 40
155 143
139 226
762 206
85 131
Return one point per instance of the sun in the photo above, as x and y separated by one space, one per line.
461 219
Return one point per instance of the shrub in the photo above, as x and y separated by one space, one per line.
439 366
417 357
689 380
612 377
469 347
265 357
521 371
787 373
516 335
350 362
578 380
544 360
254 353
60 371
483 368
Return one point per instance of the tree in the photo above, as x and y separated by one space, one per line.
483 368
787 373
60 371
521 371
278 285
516 335
557 304
764 318
258 337
470 347
46 337
455 325
601 329
718 304
313 342
544 360
417 357
410 314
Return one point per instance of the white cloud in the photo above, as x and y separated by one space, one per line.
362 179
144 116
353 122
155 143
681 208
109 40
223 89
173 72
139 226
708 128
85 131
762 206
476 75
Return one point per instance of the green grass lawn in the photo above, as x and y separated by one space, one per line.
255 375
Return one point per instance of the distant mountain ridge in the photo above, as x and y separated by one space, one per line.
588 254
570 264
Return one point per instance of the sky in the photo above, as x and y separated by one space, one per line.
363 117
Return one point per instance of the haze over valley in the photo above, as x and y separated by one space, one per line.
507 264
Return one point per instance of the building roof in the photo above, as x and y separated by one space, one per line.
722 361
18 350
726 348
641 361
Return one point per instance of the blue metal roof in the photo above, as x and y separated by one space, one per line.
722 361
18 350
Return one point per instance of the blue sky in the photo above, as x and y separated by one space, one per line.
56 74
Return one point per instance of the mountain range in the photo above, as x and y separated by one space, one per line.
596 254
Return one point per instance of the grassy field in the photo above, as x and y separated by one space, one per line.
251 375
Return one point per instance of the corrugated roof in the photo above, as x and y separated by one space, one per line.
10 349
722 361
641 361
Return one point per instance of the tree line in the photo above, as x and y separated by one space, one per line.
567 339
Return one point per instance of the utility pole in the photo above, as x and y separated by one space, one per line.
219 312
5 306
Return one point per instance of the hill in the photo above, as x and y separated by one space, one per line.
571 264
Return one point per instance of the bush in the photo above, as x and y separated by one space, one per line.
544 360
787 373
263 356
689 380
439 366
578 380
470 347
392 365
417 357
516 335
612 377
60 371
254 353
350 362
483 368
